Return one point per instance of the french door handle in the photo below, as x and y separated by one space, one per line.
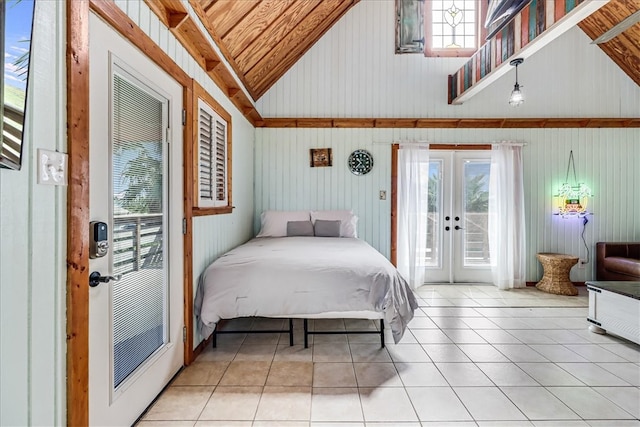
457 227
96 278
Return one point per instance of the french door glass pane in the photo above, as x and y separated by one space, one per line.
138 167
476 212
433 251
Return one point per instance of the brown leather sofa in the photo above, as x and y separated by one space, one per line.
617 261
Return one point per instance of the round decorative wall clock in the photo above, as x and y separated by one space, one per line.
360 162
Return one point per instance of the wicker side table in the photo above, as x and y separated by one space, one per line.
555 279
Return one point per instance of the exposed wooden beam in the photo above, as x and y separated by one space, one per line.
211 64
177 18
206 21
199 47
77 287
168 11
464 123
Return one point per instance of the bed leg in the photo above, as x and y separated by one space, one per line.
306 335
214 341
291 332
382 333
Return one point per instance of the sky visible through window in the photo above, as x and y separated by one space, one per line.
18 17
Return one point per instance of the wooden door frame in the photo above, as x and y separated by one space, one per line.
78 215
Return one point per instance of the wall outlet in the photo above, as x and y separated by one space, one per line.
383 195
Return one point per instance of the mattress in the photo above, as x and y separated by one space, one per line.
303 277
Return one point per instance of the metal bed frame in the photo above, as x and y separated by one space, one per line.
266 331
307 332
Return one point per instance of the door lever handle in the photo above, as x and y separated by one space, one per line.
96 278
457 227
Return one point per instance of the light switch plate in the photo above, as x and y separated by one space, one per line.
383 195
52 167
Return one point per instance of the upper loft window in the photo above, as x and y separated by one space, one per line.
440 27
451 27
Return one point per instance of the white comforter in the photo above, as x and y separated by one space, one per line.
303 277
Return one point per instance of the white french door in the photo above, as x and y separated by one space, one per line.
136 298
457 232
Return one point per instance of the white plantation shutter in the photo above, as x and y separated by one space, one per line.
221 160
212 157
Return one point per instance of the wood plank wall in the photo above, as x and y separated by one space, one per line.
33 246
604 159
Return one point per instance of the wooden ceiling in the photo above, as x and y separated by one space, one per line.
623 49
262 39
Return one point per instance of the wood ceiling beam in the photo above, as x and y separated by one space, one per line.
222 46
170 12
196 43
465 123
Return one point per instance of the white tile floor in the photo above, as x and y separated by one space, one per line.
473 356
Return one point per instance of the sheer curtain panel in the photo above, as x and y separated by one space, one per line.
413 180
506 216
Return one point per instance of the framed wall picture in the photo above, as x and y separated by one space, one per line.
320 157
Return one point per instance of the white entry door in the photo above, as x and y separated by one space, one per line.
457 239
136 308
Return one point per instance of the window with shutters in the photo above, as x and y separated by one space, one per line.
212 156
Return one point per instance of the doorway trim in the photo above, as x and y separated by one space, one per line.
394 185
77 288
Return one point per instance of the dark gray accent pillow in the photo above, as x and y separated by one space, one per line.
324 228
299 228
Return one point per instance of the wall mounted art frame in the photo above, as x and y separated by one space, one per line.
320 157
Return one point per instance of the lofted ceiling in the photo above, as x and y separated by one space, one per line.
262 39
623 49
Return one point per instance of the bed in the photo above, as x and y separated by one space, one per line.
304 277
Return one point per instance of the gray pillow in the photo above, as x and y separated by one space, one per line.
324 228
299 228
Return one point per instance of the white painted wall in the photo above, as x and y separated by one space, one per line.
33 246
353 72
605 159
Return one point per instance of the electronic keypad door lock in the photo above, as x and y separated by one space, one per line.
99 239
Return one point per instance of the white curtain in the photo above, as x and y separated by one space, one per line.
506 216
413 179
